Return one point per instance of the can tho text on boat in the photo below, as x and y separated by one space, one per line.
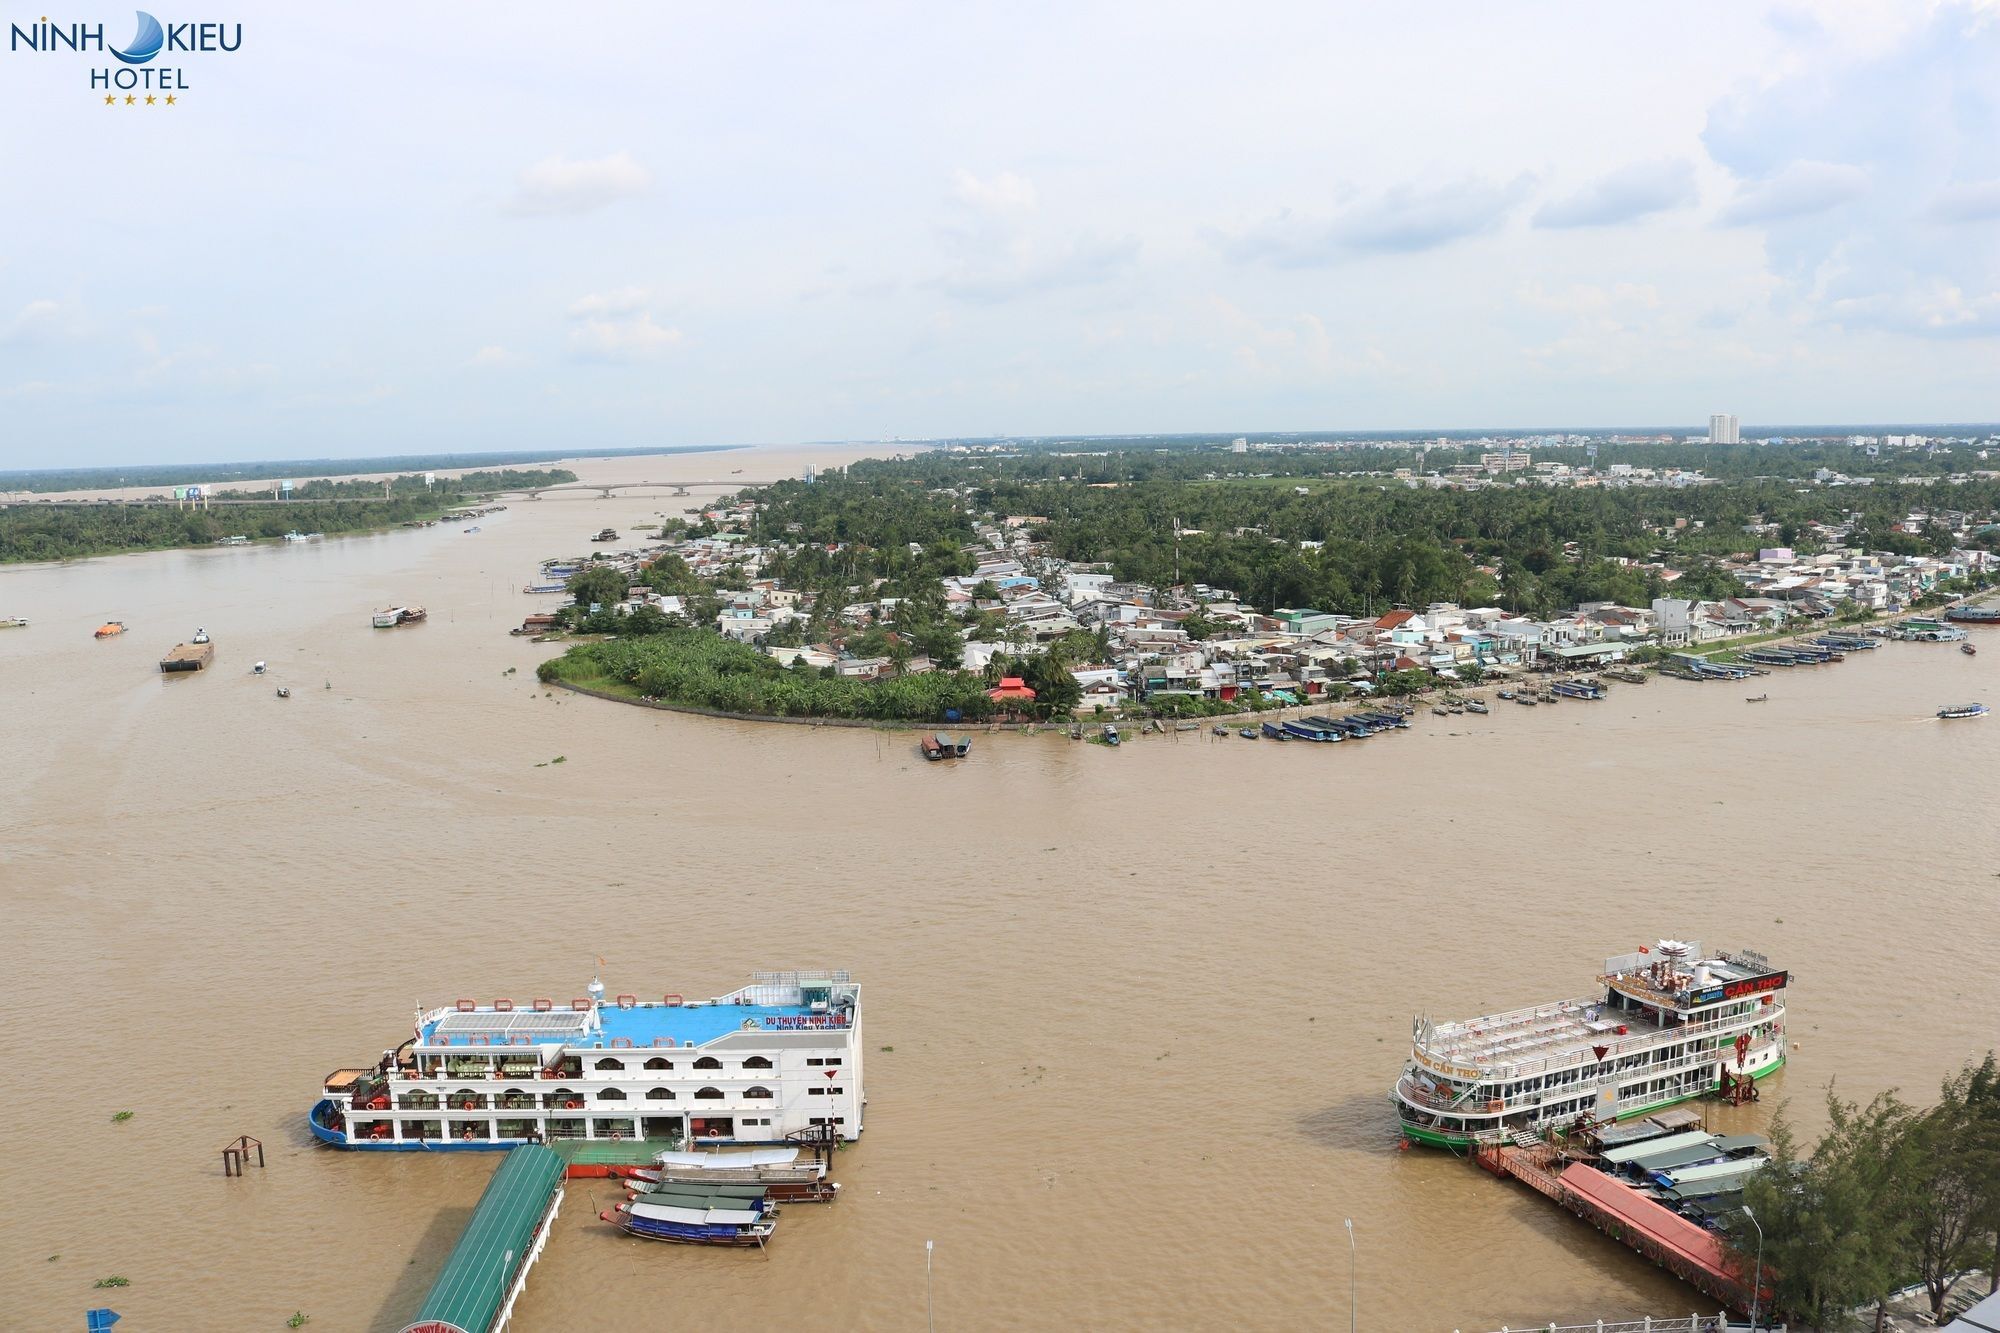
1669 1024
778 1057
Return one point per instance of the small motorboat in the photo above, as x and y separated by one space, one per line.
1476 707
110 629
14 622
256 668
474 528
1963 710
1220 731
1248 733
1506 694
1968 650
284 693
1756 698
933 748
1438 712
1110 734
200 635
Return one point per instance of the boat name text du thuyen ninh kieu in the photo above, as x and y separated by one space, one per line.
779 1057
1670 1024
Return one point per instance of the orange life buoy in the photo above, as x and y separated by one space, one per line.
573 1104
715 1133
467 1006
465 1105
615 1136
503 1006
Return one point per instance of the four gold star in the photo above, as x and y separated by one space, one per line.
111 99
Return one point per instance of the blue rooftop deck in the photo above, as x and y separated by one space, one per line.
643 1026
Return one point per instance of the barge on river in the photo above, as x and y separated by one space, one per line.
1669 1023
777 1058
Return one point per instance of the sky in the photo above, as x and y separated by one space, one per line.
386 228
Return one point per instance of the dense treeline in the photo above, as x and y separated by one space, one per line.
1532 549
472 483
1891 1195
230 474
701 669
69 532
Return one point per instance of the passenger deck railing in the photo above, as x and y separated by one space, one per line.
1476 1105
1625 1045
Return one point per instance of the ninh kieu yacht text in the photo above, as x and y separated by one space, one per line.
1669 1023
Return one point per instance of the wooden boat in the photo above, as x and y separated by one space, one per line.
1110 734
788 1175
1248 733
1756 698
933 748
960 747
188 657
1968 649
1274 731
1220 731
733 1215
110 629
1476 707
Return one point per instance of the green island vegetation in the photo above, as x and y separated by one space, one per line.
40 480
68 532
1332 530
1891 1196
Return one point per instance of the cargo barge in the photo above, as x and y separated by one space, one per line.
188 657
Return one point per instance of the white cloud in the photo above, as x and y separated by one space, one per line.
1801 189
493 355
1403 219
1002 193
559 186
618 326
1625 195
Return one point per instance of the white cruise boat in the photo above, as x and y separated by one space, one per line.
1668 1023
390 618
777 1058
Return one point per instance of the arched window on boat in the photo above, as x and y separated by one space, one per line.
709 1095
708 1062
610 1095
608 1063
757 1062
659 1062
659 1094
760 1092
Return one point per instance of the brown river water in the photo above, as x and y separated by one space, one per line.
1145 1004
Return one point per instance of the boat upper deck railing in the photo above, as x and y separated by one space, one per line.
1562 1038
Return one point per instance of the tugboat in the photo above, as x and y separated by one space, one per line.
1963 710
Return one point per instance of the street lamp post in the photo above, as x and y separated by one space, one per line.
1350 1275
927 1285
1756 1282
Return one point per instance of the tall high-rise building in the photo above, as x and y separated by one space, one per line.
1722 429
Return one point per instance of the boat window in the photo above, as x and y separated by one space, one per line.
760 1092
709 1095
659 1094
757 1062
659 1062
708 1062
608 1063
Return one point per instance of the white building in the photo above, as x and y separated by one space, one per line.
1722 429
780 1056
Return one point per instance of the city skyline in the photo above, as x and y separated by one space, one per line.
722 226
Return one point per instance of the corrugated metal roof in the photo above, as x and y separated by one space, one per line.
473 1286
1638 1211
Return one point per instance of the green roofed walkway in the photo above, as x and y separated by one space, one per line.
489 1265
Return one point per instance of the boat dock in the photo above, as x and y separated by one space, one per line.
1687 1250
488 1268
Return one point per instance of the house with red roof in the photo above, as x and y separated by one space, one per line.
1011 689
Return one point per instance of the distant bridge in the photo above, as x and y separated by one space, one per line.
604 489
